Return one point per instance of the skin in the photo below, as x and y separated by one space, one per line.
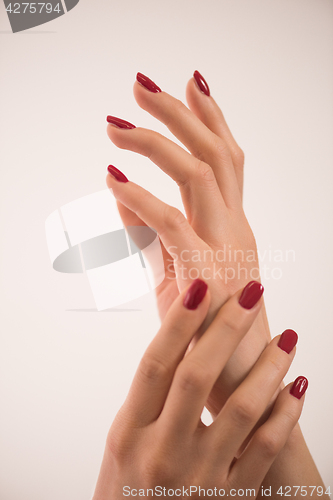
211 193
158 438
210 179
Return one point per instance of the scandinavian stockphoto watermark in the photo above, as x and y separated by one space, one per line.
228 263
121 264
26 15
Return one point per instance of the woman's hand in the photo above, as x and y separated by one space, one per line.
158 439
214 241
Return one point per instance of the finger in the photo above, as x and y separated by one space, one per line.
128 217
270 438
197 138
201 196
156 370
249 401
131 221
197 373
172 227
211 115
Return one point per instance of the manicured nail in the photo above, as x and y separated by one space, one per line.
299 387
201 82
251 294
288 340
195 294
119 176
147 83
118 122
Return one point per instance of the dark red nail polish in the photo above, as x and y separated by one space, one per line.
147 83
288 340
201 82
119 122
119 176
195 294
299 387
251 294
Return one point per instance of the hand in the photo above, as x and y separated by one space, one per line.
158 438
215 241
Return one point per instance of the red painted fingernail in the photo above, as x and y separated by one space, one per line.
299 387
119 176
147 83
251 294
195 294
288 340
201 82
118 122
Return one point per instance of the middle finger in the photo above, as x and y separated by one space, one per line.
202 199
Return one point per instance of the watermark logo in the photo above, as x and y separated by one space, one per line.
88 236
25 15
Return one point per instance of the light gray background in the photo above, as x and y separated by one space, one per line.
64 370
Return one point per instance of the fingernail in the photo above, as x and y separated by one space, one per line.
119 176
118 122
288 340
299 387
251 294
201 82
147 83
195 294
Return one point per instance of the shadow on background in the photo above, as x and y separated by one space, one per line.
104 310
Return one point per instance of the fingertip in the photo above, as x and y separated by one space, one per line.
111 130
108 180
288 340
137 88
288 400
121 138
195 294
142 95
192 93
201 83
251 294
299 387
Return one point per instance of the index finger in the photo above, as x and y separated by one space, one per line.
154 375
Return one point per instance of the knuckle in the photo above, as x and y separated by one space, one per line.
178 105
268 442
277 363
203 172
239 157
158 467
193 377
116 446
221 149
174 111
150 144
140 202
291 415
288 414
173 217
231 322
244 411
119 439
152 370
